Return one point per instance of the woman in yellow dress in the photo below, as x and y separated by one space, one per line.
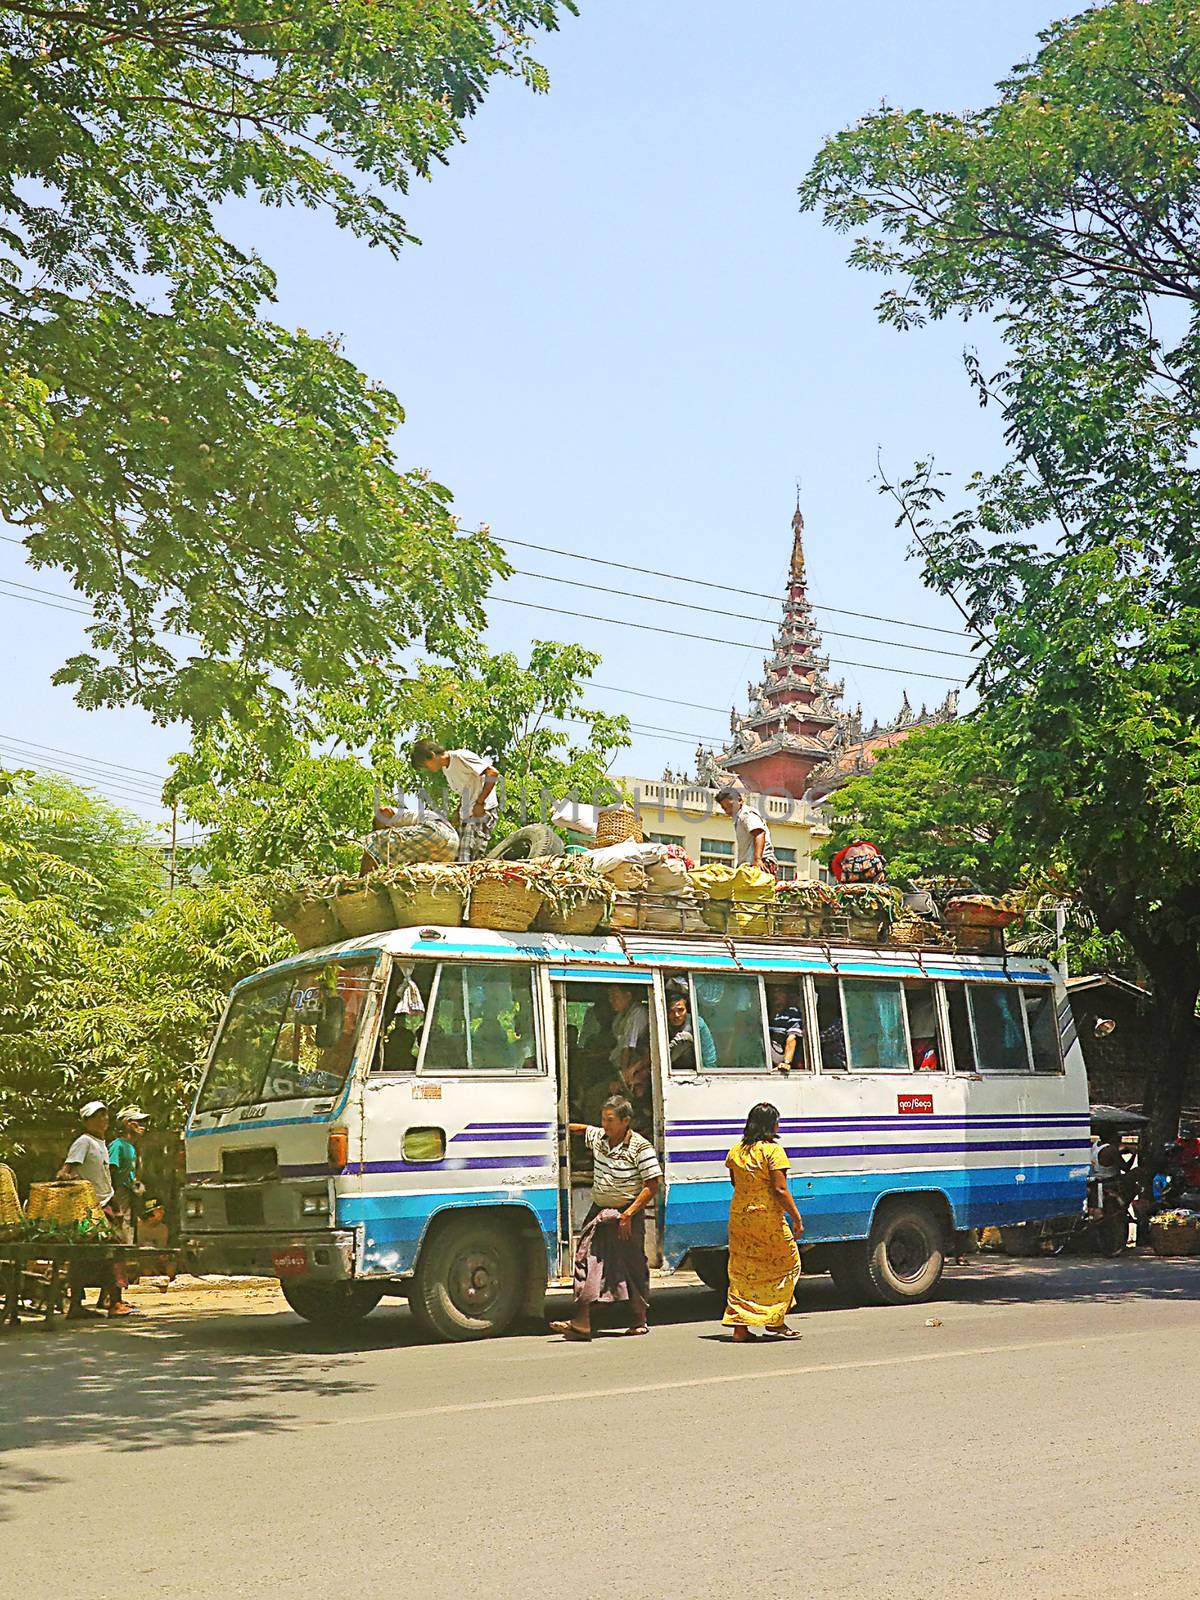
764 1262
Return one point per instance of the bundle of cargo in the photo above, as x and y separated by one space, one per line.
507 895
304 906
869 908
737 899
977 921
575 897
431 892
680 912
802 909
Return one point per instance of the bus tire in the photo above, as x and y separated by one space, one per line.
847 1264
469 1282
712 1268
905 1253
334 1305
526 844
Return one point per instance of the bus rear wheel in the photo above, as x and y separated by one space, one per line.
469 1281
905 1254
712 1268
334 1305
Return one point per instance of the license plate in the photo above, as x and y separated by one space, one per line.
288 1263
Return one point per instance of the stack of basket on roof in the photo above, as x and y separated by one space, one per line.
630 883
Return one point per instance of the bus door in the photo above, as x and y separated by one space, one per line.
588 1010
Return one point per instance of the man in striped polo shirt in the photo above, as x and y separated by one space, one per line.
610 1258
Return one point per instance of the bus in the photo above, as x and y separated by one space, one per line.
388 1115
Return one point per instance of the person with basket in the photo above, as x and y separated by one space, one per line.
88 1159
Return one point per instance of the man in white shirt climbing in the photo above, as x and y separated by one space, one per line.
473 779
754 847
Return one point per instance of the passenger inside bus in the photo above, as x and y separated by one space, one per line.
786 1027
683 1035
922 1026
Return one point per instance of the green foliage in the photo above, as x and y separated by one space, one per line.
223 490
937 805
1070 209
308 801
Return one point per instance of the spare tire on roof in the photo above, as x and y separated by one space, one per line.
527 844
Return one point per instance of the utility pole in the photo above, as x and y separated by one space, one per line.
1060 933
174 837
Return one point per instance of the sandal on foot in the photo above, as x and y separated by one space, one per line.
638 1328
570 1332
783 1333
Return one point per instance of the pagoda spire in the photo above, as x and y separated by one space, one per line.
798 574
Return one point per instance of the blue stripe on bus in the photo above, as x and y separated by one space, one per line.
839 1205
394 1224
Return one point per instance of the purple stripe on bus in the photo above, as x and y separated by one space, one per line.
508 1136
453 1164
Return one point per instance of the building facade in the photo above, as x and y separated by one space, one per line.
674 811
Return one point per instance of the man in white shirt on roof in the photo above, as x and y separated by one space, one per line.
754 848
473 779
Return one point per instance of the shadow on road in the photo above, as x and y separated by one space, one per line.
202 1378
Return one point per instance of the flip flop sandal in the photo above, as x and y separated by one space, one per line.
571 1333
783 1333
632 1333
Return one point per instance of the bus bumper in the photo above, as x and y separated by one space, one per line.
320 1256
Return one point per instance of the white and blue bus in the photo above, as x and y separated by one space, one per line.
388 1116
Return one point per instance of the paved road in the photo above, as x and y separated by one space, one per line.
1042 1441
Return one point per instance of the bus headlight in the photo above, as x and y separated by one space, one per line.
314 1205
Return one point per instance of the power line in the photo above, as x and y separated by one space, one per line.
79 754
740 616
89 781
737 644
727 588
640 694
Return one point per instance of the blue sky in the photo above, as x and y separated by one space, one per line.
621 337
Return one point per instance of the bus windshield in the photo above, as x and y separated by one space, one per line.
289 1036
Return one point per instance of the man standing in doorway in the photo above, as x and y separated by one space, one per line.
473 779
754 848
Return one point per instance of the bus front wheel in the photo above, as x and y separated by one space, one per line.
469 1281
905 1253
334 1305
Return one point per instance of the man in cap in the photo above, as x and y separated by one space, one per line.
123 1167
88 1158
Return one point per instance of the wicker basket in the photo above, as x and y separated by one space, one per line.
979 911
792 922
64 1201
913 931
311 924
1182 1240
978 941
583 918
510 906
618 824
437 906
365 910
864 929
11 1214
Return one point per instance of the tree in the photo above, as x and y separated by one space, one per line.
1070 211
108 985
222 490
308 801
937 805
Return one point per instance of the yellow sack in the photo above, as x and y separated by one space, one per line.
716 881
752 883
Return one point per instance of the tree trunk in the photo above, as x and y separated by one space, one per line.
1175 1037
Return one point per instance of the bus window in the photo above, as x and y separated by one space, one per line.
790 1050
876 1033
998 1025
922 1026
960 1028
482 1020
829 1025
731 1008
1042 1016
404 1015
